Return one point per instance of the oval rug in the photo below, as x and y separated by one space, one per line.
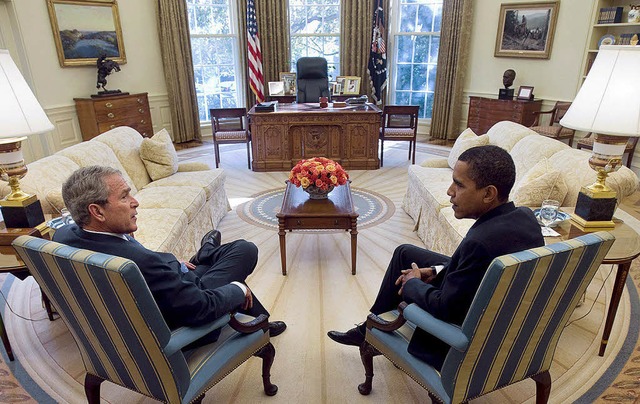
372 208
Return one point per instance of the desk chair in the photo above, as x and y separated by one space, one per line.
312 79
399 122
629 149
230 125
123 338
554 129
510 332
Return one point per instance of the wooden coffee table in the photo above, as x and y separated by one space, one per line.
299 212
625 249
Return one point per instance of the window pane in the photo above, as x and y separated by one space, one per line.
404 77
408 18
419 82
405 48
421 50
425 18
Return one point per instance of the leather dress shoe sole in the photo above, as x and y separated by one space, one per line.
351 337
276 328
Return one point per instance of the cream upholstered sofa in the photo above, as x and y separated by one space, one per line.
174 212
545 168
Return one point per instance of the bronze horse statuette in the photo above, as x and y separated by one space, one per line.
105 68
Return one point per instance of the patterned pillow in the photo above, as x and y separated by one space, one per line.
466 140
540 183
159 156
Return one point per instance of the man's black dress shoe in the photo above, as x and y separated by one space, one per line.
276 328
214 237
352 337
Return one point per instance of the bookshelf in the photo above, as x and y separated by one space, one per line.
598 30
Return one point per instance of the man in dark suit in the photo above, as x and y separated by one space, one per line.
443 286
190 293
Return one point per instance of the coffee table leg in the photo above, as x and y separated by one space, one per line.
621 278
354 245
283 246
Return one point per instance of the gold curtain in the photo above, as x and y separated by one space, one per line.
452 65
355 40
273 23
175 47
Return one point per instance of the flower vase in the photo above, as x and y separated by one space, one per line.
318 193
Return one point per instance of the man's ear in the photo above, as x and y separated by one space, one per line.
96 212
491 194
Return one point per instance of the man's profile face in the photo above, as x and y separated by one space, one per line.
120 210
467 200
508 77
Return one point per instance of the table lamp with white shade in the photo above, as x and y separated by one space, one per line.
608 105
20 116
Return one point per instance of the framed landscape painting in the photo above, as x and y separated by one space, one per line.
526 30
85 30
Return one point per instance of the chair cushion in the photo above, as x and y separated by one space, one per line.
159 156
539 183
231 135
397 132
557 132
466 140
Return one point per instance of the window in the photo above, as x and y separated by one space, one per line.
315 31
213 28
415 33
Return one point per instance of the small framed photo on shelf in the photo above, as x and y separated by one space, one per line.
276 88
289 80
350 84
525 93
336 88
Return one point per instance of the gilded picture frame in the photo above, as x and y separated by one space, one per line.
350 84
85 30
289 79
526 30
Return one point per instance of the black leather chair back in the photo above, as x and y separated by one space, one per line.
313 79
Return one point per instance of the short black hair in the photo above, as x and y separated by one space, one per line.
491 165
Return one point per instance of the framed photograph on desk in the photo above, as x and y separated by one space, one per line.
289 80
350 84
276 88
525 93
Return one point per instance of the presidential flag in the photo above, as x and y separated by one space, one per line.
254 53
378 54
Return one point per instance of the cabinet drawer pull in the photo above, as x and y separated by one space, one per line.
336 222
111 115
142 121
112 126
139 100
298 222
108 105
141 110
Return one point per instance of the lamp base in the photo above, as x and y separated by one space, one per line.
29 215
505 94
594 213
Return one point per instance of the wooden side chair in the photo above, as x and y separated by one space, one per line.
510 332
399 122
122 336
629 149
554 129
230 125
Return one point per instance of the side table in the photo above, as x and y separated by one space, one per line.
625 249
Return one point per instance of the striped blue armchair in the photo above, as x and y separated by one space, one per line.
122 335
510 332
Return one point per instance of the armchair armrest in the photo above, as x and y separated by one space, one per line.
446 332
376 322
183 336
537 115
193 166
259 323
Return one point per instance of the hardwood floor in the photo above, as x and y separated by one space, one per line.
318 294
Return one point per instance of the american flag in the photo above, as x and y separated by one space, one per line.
256 79
378 54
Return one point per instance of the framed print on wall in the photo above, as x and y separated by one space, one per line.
525 30
85 30
289 80
350 84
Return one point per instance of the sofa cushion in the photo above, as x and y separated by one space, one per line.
540 183
506 134
96 153
210 181
532 149
190 199
159 155
162 229
466 140
125 143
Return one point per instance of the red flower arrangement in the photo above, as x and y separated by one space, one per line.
321 172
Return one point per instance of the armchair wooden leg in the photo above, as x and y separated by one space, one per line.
216 151
248 157
367 352
543 387
92 388
381 152
267 353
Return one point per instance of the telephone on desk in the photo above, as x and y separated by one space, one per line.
363 99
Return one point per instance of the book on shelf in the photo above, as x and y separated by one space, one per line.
610 15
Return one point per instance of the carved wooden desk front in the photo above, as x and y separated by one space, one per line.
298 131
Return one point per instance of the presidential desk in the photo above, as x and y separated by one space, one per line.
297 131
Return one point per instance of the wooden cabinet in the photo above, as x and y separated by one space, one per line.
485 112
98 115
598 30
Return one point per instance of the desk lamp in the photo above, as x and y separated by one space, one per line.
608 105
20 116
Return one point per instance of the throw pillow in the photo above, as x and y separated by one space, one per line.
540 183
466 140
159 156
